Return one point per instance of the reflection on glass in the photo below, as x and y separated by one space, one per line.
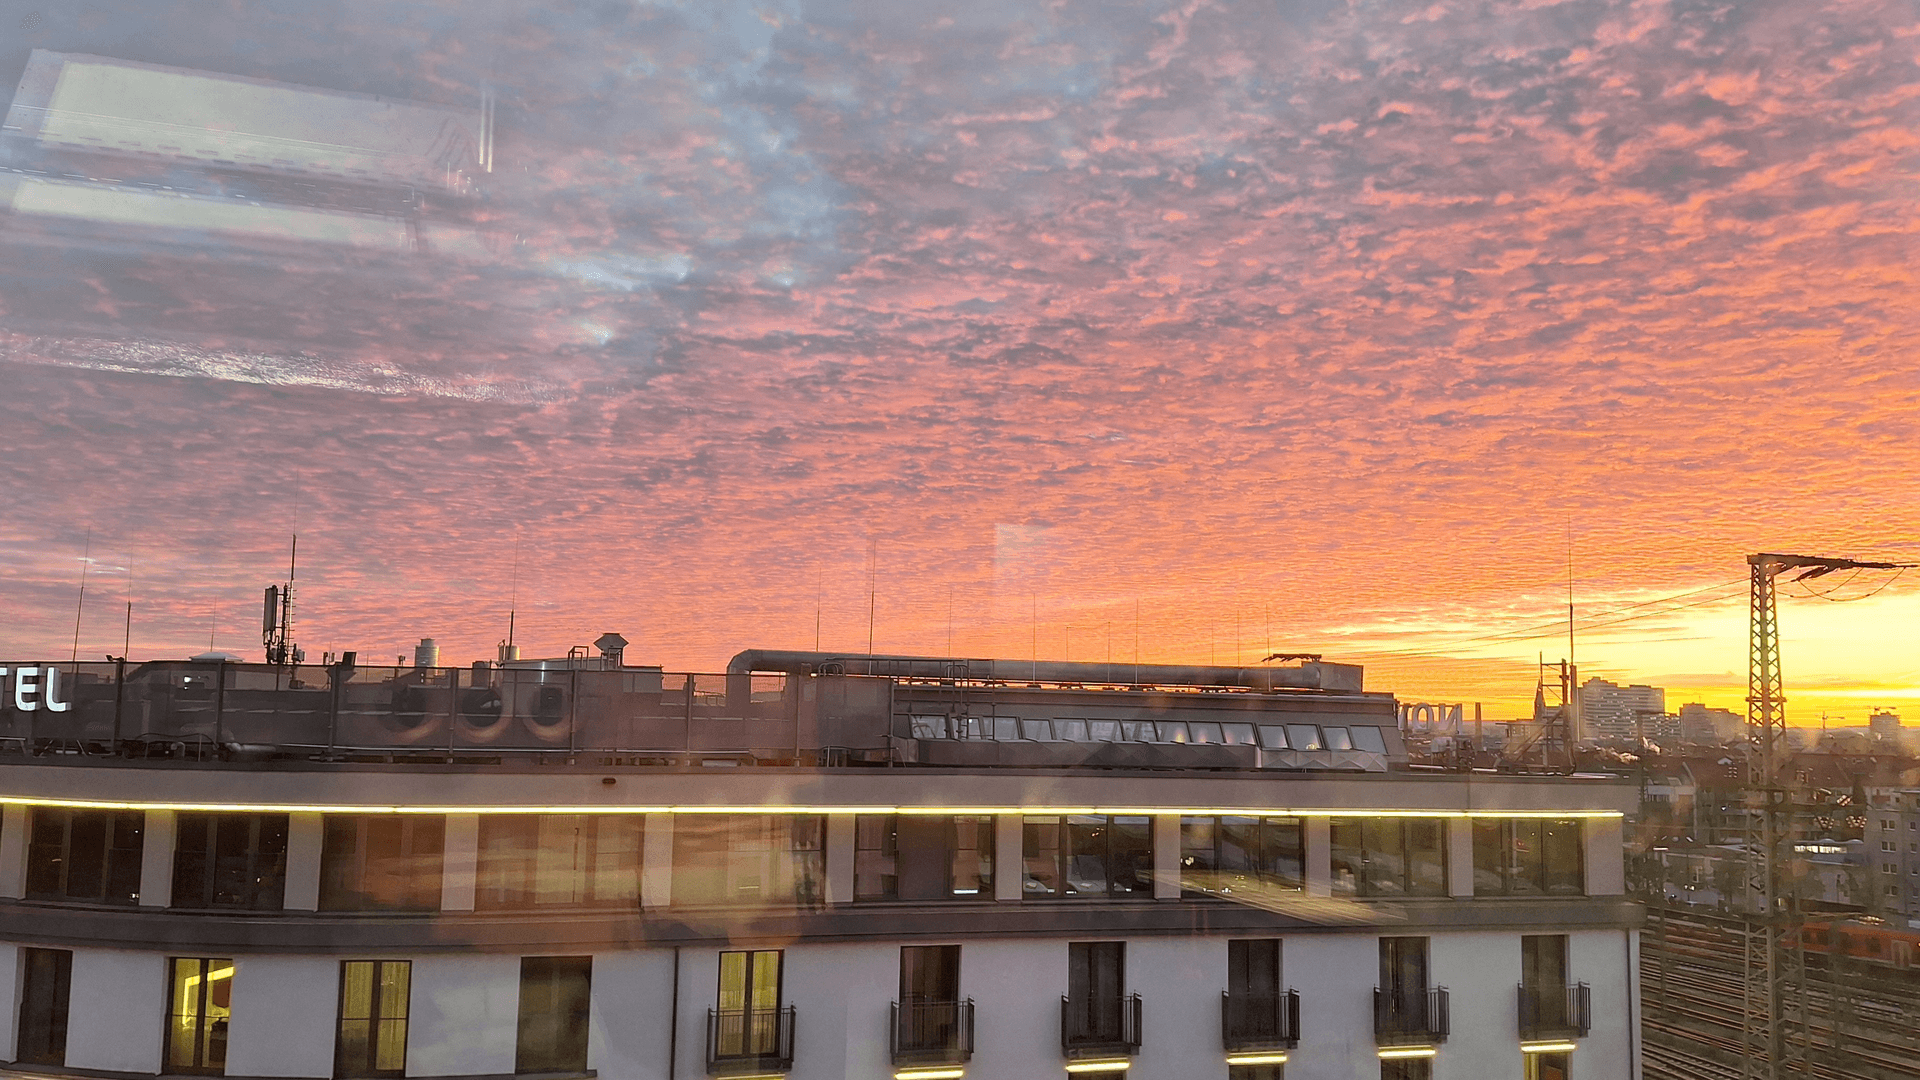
201 1003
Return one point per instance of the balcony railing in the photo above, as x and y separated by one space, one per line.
1403 1017
1105 1028
1555 1012
932 1032
744 1042
1259 1021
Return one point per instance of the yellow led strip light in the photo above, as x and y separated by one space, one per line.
1395 1052
951 1072
1548 1047
785 808
1256 1059
1117 1065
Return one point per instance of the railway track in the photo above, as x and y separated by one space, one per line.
1858 1018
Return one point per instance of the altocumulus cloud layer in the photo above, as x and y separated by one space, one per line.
1326 317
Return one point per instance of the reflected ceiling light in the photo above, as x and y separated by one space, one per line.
781 808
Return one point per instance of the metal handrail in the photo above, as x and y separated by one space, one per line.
1410 1016
1555 1012
1083 1035
931 1032
1259 1021
747 1041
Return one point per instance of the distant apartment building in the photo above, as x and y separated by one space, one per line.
1611 712
1893 851
1884 727
1699 724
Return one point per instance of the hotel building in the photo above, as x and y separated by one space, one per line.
813 866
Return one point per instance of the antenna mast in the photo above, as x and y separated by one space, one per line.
276 616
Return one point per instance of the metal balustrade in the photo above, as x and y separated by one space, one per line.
1259 1021
1405 1017
1555 1012
931 1032
747 1042
1100 1028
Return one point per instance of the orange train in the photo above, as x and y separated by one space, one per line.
1866 939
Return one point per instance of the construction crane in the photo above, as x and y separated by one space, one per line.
1774 983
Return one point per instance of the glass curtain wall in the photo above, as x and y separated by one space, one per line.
1087 855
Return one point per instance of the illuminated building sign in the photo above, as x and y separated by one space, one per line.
31 689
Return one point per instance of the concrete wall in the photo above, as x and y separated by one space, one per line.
116 1017
283 1011
465 1008
465 1015
10 986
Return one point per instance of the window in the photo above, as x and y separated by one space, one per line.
1528 857
230 861
1304 737
558 860
1403 966
555 995
46 986
748 858
1095 1012
929 973
1256 1072
748 1019
1174 731
89 855
381 862
1241 854
1336 738
1369 739
1258 1015
970 872
1551 1066
200 1000
1888 845
1036 730
876 857
1389 856
1088 855
372 1037
1407 1069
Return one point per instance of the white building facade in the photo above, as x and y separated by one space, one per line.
1002 880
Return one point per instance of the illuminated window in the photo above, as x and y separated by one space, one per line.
381 862
199 1004
557 860
556 994
1389 856
88 855
372 1037
1554 1065
1241 854
230 861
1087 855
746 1024
876 857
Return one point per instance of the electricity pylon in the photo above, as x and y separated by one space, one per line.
1774 971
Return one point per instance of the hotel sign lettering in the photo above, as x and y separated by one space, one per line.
32 688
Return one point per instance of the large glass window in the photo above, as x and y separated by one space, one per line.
46 983
748 858
876 857
556 994
1088 855
559 860
382 862
1383 856
230 861
971 869
1528 857
372 1038
88 855
747 1022
199 1003
1224 855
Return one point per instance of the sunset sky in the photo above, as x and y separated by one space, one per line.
1179 331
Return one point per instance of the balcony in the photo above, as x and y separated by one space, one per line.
1254 1022
932 1032
1100 1029
749 1042
1555 1012
1410 1017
